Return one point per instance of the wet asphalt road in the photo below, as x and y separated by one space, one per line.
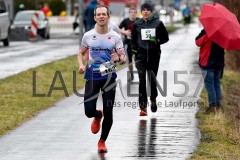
62 132
20 56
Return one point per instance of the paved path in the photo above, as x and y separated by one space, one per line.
21 56
62 132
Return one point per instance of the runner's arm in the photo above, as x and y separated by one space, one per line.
81 59
118 56
120 50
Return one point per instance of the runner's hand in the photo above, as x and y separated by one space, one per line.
128 33
122 59
81 69
153 39
114 56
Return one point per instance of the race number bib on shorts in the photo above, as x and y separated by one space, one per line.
107 68
147 33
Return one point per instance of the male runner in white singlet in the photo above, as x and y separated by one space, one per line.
104 47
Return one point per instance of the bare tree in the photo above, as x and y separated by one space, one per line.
232 5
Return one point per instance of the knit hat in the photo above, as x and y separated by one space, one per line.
147 6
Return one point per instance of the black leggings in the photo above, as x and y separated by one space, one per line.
92 89
187 20
147 66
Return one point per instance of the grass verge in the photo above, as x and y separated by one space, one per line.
17 102
171 29
220 132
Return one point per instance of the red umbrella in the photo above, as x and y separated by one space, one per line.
221 25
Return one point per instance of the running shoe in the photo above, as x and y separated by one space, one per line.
153 105
96 124
143 111
102 147
211 110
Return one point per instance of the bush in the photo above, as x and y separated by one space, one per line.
28 5
57 6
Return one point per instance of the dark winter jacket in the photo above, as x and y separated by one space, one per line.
89 13
211 54
161 33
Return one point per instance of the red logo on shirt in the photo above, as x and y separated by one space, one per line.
109 38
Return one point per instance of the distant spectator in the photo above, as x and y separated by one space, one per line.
186 12
75 22
45 9
89 14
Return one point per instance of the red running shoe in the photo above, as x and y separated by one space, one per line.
143 111
96 124
102 147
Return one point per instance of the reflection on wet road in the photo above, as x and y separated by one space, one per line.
147 139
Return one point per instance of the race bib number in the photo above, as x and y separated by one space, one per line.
107 68
147 33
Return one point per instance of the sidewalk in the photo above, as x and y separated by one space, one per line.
62 132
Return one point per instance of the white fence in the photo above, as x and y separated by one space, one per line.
61 25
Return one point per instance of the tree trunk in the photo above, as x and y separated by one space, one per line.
232 58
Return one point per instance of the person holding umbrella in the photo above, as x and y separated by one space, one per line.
221 31
211 61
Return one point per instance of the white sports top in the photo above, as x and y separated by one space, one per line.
100 48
